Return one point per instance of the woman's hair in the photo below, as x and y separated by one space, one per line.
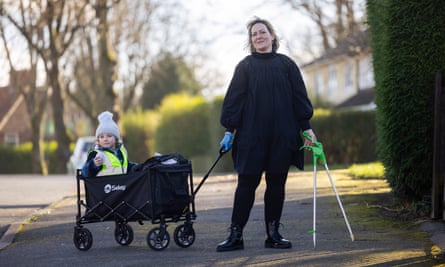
255 20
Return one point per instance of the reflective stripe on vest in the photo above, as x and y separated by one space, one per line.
112 164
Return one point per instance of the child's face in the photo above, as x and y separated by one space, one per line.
106 140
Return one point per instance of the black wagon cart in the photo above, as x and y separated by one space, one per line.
161 192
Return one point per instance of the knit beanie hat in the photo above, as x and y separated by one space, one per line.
107 125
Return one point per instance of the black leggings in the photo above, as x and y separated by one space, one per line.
245 197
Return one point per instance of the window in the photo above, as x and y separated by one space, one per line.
318 83
11 139
366 77
349 77
332 80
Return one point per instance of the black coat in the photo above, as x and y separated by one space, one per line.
267 106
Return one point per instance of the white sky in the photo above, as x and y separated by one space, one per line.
225 21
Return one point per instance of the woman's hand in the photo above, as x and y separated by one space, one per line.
308 142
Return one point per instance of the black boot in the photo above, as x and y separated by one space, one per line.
274 239
234 241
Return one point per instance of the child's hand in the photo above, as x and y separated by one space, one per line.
99 159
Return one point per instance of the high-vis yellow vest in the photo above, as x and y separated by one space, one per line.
111 163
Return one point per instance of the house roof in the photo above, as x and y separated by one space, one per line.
362 98
351 45
8 95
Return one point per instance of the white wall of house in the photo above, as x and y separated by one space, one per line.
336 79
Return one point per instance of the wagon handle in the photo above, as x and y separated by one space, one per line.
221 153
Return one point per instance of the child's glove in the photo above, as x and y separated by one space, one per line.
226 142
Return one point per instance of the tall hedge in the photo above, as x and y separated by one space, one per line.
408 44
216 134
348 137
138 129
183 126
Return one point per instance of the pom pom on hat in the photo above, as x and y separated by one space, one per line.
107 125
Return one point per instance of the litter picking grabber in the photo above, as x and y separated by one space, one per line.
317 153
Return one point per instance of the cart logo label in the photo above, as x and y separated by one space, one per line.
108 188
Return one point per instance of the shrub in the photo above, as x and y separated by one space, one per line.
367 171
18 159
138 129
348 137
408 42
183 126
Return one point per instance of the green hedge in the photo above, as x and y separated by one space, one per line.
18 159
408 42
348 137
216 134
183 126
138 130
190 126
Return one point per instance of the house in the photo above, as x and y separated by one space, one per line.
14 118
344 75
15 127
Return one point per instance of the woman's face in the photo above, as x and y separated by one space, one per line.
261 38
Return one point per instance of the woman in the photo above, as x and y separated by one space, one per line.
264 112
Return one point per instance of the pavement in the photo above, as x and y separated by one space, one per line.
38 218
25 196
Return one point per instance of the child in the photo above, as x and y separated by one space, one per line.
109 157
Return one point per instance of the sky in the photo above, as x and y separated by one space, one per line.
225 22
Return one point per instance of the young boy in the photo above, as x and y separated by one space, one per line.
109 157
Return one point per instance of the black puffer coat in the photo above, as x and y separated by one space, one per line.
267 106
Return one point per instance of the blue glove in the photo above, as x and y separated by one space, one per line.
226 142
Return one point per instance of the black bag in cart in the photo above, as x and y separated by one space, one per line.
169 183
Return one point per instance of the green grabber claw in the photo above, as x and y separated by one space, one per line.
317 149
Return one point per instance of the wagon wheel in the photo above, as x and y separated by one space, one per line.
123 234
82 238
184 235
158 238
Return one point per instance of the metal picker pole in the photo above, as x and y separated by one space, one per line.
314 220
339 202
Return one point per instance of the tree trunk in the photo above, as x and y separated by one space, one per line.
38 164
58 110
107 61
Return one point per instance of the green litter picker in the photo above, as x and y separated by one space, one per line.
317 152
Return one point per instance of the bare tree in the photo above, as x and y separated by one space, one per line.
334 19
107 56
136 32
143 31
49 26
115 47
35 100
134 40
93 66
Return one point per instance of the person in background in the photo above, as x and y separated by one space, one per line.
265 111
109 157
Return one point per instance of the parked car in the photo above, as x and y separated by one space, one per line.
80 153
